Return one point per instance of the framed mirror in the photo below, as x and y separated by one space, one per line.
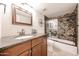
21 16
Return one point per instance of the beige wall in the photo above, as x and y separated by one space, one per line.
9 29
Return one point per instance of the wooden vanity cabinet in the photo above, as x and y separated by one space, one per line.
36 50
44 46
39 46
34 47
26 53
18 49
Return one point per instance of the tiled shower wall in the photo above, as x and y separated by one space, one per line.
67 26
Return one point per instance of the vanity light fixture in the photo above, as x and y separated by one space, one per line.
26 4
33 4
4 6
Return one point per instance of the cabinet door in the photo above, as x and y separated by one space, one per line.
17 49
44 50
44 47
36 51
26 53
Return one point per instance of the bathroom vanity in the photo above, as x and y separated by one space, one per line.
34 46
23 44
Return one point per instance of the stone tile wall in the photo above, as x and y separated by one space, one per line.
67 26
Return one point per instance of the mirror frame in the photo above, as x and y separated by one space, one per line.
14 7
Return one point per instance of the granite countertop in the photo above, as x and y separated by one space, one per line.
10 40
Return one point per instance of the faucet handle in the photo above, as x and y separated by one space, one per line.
22 32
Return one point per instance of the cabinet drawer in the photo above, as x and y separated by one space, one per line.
37 50
18 49
36 41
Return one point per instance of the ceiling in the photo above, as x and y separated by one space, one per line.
48 9
55 9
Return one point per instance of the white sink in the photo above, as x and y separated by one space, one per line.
23 37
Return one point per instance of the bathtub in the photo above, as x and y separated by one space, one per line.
66 48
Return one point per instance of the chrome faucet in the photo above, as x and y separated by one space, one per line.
22 32
34 31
